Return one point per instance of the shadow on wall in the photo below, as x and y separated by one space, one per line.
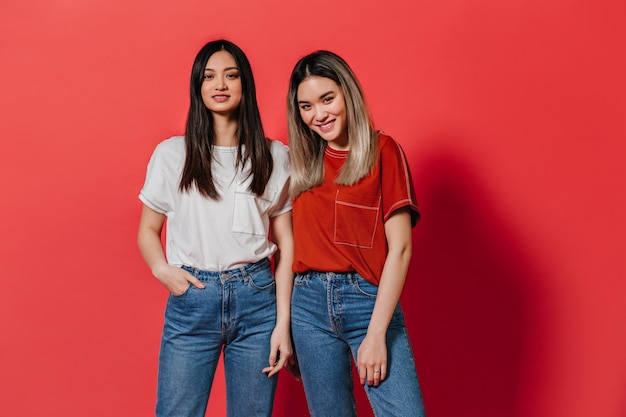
466 297
467 301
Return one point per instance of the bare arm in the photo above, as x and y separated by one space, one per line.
282 236
176 280
372 354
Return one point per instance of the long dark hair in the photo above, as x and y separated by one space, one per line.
199 135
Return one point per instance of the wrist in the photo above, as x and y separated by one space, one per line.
159 269
282 321
376 330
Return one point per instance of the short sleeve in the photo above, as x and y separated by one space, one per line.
280 178
397 183
162 177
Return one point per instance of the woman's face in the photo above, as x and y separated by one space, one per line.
323 110
221 87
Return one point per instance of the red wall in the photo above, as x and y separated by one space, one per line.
513 116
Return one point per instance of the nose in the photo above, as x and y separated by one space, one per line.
220 84
320 113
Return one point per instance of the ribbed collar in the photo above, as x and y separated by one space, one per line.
334 153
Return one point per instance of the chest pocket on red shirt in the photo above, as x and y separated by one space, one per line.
356 219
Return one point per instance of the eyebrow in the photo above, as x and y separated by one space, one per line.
322 96
225 69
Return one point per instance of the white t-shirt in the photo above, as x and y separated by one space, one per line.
215 235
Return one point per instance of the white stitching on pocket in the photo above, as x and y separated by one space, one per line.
356 219
249 211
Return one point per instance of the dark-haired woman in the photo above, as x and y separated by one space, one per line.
223 189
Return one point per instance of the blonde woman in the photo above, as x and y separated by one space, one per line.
353 210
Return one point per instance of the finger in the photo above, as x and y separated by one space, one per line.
370 376
376 374
282 360
195 282
362 374
273 356
280 364
272 370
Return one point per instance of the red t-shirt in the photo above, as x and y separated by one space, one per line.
340 228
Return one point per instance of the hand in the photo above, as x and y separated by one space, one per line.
372 360
176 280
280 351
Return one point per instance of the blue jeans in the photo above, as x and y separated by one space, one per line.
329 315
237 312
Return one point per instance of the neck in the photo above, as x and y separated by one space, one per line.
225 131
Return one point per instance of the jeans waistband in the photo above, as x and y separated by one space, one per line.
228 274
328 276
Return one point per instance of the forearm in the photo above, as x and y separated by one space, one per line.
151 250
389 290
282 236
149 239
398 232
284 287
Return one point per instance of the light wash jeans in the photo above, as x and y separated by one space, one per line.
237 312
330 314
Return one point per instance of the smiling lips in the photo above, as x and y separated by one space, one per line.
220 98
326 126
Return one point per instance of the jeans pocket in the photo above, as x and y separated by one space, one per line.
182 294
365 287
262 280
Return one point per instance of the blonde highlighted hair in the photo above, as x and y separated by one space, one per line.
307 148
